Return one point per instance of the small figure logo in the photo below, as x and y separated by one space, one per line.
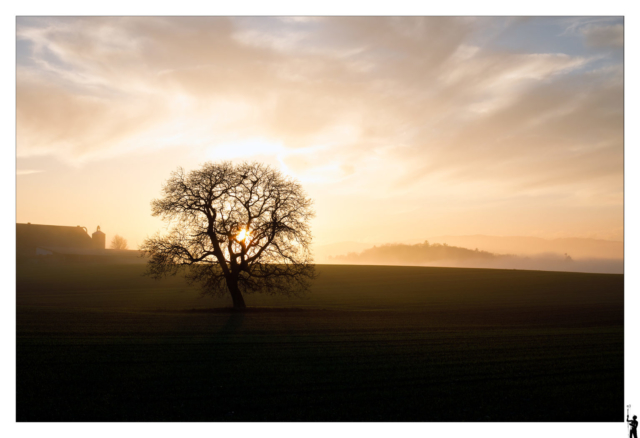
633 424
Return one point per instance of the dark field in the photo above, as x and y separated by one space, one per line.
103 343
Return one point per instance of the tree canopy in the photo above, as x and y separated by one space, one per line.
233 228
118 242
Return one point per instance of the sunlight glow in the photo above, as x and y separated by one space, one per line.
243 235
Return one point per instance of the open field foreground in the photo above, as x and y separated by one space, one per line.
103 343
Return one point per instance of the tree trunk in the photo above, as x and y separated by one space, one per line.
236 295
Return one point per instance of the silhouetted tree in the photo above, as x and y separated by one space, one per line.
118 242
237 228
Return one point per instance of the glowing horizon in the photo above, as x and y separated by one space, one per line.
398 128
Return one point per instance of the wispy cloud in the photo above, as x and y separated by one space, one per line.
27 172
106 86
604 36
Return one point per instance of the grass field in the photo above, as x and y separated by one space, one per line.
103 343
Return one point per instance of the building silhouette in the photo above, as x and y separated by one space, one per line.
98 239
33 240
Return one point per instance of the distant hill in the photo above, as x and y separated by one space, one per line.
520 245
576 248
426 254
408 255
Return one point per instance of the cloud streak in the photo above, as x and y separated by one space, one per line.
27 171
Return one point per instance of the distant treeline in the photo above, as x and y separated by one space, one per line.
421 253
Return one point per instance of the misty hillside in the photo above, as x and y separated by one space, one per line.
522 245
426 254
400 254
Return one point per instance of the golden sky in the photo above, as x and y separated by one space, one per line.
399 128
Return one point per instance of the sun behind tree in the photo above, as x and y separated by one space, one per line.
234 228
